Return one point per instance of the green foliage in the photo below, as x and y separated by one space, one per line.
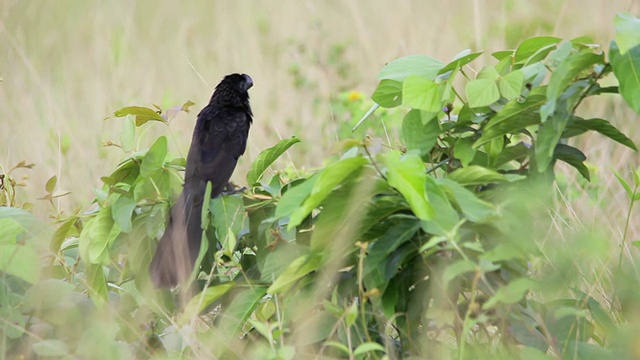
267 157
625 54
426 249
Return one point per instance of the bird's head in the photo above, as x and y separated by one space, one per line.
243 81
232 90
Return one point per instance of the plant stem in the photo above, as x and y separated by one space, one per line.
467 316
363 297
626 228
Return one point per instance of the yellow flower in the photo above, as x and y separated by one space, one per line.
354 95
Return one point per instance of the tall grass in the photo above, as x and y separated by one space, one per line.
68 65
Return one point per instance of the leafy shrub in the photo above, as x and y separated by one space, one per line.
426 250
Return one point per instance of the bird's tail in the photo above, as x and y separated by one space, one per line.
178 248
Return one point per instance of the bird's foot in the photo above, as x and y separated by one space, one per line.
231 189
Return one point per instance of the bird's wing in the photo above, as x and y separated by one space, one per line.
221 140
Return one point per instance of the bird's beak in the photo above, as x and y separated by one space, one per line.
248 82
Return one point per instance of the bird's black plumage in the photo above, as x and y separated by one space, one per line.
219 139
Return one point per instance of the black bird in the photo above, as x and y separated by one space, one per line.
219 139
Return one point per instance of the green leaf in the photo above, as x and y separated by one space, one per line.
10 231
564 75
472 207
297 269
379 210
50 348
408 176
504 66
420 65
420 93
122 210
464 150
20 261
534 75
34 229
459 61
456 269
569 311
95 238
15 320
266 310
328 179
59 236
510 85
501 55
368 347
493 149
127 172
295 196
378 269
267 157
47 294
511 293
187 105
447 90
573 157
548 136
97 340
503 252
204 299
392 239
262 328
316 326
533 338
482 92
338 345
476 175
601 316
532 45
562 51
204 213
155 188
276 261
228 219
624 183
388 93
567 327
51 184
627 70
418 135
627 31
542 54
586 351
446 218
518 152
337 215
154 158
233 319
489 72
351 314
142 114
97 284
578 126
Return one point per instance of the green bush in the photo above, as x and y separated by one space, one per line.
430 249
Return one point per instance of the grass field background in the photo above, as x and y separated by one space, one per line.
67 65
